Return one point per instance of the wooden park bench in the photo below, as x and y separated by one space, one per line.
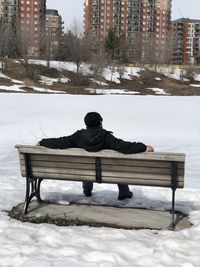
107 166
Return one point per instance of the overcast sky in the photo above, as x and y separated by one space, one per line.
70 9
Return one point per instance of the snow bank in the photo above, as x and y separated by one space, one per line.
195 85
98 82
197 77
50 81
45 90
158 91
13 88
111 91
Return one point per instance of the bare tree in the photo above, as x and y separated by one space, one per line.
99 58
3 43
20 46
76 28
73 48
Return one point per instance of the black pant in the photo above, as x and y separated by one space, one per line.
123 188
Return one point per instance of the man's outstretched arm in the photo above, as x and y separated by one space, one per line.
59 143
126 147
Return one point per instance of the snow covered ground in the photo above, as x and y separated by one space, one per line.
168 123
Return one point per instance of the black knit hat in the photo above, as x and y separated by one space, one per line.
93 119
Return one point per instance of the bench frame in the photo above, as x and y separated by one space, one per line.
33 184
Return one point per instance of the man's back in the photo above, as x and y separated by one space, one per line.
94 138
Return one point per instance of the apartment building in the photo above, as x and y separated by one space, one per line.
54 27
146 23
1 9
31 18
187 41
8 9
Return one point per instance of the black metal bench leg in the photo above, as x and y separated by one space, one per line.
174 175
32 190
36 190
172 224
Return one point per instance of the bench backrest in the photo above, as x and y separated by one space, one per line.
149 169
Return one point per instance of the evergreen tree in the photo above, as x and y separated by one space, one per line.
112 44
116 46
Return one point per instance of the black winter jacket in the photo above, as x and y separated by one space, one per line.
93 140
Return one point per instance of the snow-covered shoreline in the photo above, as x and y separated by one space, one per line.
168 123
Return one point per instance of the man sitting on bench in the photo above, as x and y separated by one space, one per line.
93 139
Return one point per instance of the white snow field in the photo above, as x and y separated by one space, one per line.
168 123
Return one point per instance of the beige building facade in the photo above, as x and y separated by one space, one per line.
54 27
8 9
187 41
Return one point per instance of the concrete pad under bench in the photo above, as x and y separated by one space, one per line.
94 215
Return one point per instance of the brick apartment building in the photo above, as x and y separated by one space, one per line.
39 28
187 41
53 30
31 19
146 23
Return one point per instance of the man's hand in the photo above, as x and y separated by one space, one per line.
149 148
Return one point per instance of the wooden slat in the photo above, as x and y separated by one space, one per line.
118 162
102 153
58 158
140 163
104 167
146 170
62 165
69 177
62 171
142 182
112 180
116 175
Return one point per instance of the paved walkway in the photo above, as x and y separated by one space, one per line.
127 218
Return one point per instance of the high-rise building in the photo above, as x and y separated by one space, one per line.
31 19
1 9
8 9
54 27
144 22
187 41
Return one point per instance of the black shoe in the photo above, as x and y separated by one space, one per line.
87 193
124 196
